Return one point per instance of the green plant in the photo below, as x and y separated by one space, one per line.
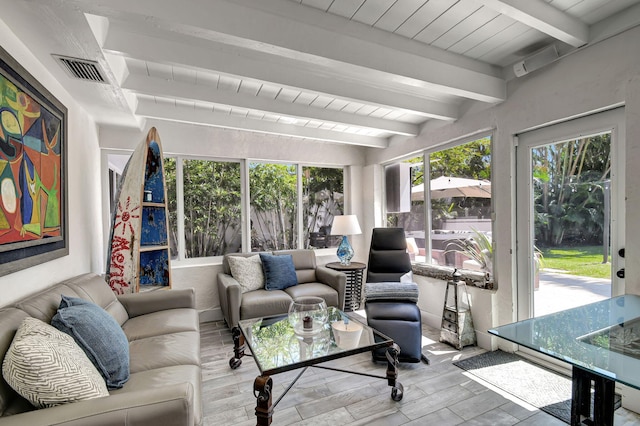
477 247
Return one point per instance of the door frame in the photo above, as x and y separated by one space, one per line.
607 121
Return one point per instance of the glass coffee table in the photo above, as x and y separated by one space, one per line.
276 348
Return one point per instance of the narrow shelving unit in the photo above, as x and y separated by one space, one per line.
139 252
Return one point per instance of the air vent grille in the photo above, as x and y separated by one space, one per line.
82 69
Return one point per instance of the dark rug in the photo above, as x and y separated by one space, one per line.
538 386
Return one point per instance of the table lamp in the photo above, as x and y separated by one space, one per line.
345 225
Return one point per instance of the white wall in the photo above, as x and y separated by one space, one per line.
592 79
83 183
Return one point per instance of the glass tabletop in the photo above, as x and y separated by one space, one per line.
602 337
276 347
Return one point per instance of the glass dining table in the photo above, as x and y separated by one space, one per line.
600 340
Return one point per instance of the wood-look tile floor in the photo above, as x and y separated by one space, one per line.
436 394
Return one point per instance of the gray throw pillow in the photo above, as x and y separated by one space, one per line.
99 335
279 271
247 271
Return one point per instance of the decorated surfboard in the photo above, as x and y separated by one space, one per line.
138 255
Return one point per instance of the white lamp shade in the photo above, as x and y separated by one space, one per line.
345 225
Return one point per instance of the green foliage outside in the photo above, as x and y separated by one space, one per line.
477 247
570 184
211 206
471 160
322 200
584 261
273 189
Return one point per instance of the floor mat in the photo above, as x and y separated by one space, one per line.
542 388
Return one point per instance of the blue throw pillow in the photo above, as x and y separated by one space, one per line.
279 272
99 335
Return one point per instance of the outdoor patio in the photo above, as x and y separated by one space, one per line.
559 291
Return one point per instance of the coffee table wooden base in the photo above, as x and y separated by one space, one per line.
262 390
238 348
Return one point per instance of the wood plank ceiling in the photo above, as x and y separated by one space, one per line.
344 71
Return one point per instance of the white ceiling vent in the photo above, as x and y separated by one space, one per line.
83 69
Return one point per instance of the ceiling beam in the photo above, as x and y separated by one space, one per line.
150 109
543 17
283 72
176 89
307 35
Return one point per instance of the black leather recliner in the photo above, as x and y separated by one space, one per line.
397 314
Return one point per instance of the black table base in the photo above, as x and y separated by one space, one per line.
603 399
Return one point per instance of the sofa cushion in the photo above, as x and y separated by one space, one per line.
48 368
93 287
160 378
247 271
314 289
279 272
44 305
264 303
164 351
161 322
99 336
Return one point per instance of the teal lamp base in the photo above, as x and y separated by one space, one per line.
345 251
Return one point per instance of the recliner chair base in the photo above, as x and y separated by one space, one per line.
401 321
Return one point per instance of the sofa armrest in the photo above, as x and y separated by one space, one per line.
145 303
171 404
334 279
230 294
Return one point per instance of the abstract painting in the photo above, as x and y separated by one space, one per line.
33 201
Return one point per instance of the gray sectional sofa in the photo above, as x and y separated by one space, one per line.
162 327
313 280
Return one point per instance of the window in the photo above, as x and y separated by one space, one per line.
212 206
290 205
322 200
458 210
273 193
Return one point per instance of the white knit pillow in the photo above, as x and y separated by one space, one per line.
48 368
247 271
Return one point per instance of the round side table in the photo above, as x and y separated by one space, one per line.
353 294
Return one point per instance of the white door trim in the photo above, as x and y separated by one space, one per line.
612 120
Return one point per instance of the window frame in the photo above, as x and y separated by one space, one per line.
180 215
426 267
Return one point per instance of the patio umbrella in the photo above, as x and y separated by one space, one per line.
450 187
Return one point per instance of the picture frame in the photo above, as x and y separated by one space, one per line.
33 171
